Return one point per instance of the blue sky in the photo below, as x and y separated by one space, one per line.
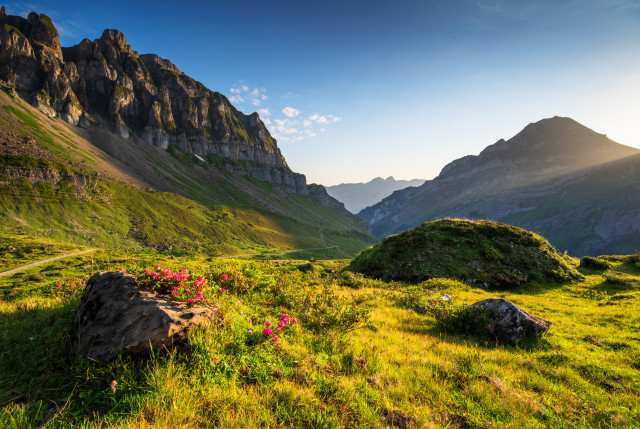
358 89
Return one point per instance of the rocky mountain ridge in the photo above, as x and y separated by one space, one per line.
105 83
550 178
357 196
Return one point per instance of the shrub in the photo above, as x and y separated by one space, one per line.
594 263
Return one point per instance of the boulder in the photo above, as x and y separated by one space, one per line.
511 322
116 314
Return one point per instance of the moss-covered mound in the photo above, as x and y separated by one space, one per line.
487 253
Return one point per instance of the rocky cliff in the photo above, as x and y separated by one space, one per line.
105 83
549 178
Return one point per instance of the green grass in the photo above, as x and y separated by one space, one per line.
398 369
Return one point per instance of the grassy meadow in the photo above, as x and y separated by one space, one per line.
360 354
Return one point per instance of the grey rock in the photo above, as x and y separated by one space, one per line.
117 315
512 322
444 297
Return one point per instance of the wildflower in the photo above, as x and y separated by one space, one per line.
278 330
222 290
224 277
241 313
266 332
112 386
59 286
293 320
267 322
251 331
2 302
275 339
199 296
250 321
281 324
190 301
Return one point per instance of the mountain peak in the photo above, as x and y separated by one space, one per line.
115 36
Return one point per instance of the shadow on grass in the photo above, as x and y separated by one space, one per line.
41 380
432 329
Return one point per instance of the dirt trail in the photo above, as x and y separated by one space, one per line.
33 264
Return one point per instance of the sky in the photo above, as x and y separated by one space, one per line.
355 89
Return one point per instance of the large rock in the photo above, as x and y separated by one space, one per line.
512 322
116 315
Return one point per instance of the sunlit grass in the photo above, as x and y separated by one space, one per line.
397 370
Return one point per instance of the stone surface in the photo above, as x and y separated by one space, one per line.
116 315
512 322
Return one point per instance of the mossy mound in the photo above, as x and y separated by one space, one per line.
487 253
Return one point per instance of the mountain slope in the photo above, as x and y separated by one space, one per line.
556 177
78 161
357 196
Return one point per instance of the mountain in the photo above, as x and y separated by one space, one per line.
357 196
127 131
556 177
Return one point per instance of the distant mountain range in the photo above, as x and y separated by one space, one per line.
357 196
556 177
98 116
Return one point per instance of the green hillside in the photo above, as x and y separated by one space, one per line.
55 183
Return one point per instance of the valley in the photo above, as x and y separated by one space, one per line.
129 189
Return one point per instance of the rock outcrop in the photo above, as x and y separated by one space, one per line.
106 83
512 323
117 315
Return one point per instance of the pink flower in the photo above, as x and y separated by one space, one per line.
190 301
250 321
266 332
293 320
279 330
275 339
251 331
199 296
281 324
224 277
267 322
222 290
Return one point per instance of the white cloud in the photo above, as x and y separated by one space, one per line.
307 123
244 94
285 126
321 119
290 112
264 112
